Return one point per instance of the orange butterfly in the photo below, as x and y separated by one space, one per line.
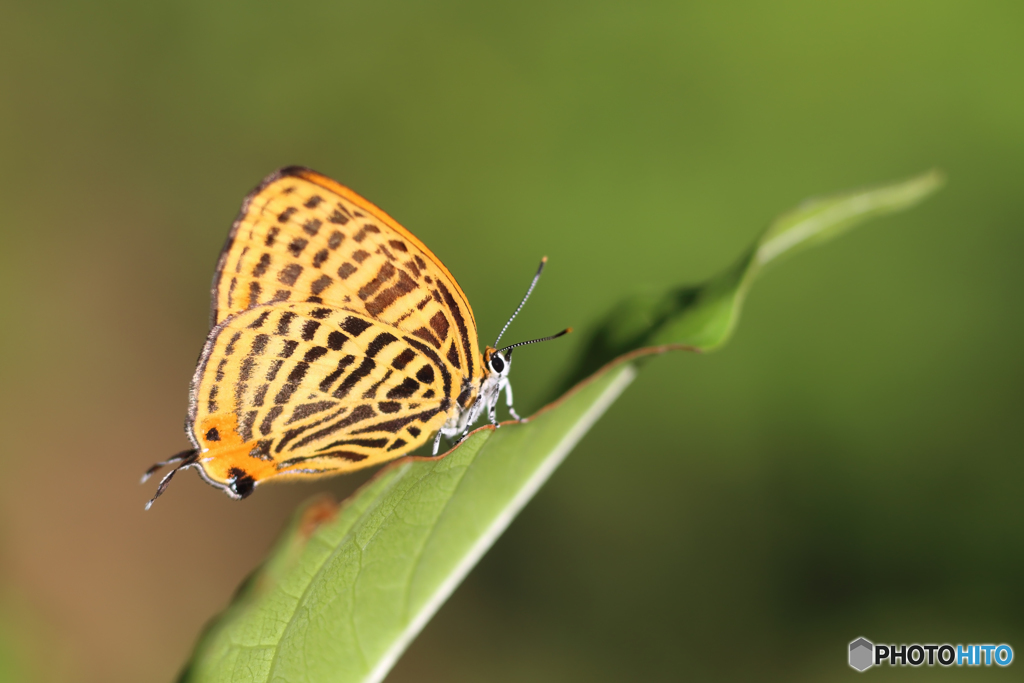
339 342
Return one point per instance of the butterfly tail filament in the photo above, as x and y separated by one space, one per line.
183 460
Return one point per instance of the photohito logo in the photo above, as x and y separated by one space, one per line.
864 654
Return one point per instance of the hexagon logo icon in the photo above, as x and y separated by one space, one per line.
862 654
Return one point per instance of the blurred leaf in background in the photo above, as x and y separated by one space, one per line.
851 462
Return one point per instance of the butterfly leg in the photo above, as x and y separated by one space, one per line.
492 406
437 442
508 401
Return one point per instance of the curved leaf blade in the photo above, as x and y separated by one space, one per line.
342 602
704 316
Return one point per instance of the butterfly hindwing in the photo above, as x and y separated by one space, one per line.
303 389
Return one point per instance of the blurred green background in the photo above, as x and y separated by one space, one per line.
848 466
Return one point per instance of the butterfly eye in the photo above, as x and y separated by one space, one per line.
497 364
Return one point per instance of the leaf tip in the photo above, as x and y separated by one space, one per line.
930 181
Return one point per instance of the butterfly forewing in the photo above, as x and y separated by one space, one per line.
302 237
305 389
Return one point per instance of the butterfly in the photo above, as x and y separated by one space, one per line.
339 341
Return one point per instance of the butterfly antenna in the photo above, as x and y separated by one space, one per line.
540 269
533 341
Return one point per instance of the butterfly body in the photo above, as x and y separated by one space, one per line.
338 341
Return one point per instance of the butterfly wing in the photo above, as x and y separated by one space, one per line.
305 389
302 237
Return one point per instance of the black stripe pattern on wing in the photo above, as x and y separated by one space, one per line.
312 382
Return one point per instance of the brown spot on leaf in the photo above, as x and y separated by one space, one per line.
318 513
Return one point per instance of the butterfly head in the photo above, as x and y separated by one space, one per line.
497 362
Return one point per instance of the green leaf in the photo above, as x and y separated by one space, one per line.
703 317
347 588
341 601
